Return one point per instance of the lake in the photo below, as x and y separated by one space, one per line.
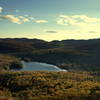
36 66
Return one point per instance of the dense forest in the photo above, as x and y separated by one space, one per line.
67 54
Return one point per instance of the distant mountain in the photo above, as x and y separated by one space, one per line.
8 45
69 54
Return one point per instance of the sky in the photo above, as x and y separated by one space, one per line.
50 19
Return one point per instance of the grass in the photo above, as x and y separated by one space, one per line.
50 85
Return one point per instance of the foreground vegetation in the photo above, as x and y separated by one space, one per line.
50 85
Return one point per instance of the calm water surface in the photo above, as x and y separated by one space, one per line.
36 66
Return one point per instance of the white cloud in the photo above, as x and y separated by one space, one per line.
21 19
11 18
77 20
28 19
41 21
14 19
82 23
1 9
24 19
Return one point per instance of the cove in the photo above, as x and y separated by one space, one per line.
37 66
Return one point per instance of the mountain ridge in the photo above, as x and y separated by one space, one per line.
68 54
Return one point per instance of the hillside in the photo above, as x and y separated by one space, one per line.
9 62
68 54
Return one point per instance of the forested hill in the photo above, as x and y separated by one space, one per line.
69 54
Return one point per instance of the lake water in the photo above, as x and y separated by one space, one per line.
36 66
